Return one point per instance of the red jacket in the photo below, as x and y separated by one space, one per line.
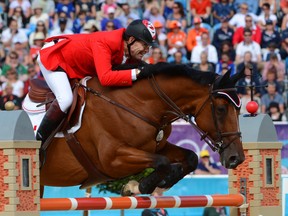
92 54
238 36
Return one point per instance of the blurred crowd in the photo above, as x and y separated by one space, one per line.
212 35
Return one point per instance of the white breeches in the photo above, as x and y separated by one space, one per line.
59 84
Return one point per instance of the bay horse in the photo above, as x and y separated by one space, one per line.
125 130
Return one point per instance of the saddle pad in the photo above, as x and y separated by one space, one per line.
36 113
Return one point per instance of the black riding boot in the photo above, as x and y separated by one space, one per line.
50 122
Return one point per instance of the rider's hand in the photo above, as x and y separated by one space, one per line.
144 71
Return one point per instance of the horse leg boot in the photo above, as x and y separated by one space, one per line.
50 122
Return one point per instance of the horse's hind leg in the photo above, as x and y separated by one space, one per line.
136 161
183 162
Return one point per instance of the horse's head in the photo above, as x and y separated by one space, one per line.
221 109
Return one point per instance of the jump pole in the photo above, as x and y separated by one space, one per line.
140 202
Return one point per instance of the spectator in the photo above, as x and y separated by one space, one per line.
274 112
226 47
225 64
32 74
86 6
201 8
248 45
222 11
161 37
67 7
24 4
12 62
215 211
205 166
207 47
128 14
284 44
224 33
167 7
278 65
176 39
80 21
38 43
238 36
40 27
252 5
271 96
111 17
271 77
9 96
12 35
18 15
47 5
284 6
153 14
156 56
238 19
109 26
272 3
23 53
204 65
270 50
18 85
265 16
62 29
270 36
194 34
60 16
91 26
177 58
39 15
108 4
251 77
178 14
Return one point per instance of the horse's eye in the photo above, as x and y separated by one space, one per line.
221 109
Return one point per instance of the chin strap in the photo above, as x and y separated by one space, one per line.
128 46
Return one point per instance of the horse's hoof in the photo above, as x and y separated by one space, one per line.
130 188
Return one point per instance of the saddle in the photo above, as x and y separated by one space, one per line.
41 93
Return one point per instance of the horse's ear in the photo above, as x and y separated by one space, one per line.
240 74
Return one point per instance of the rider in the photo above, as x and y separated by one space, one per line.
76 56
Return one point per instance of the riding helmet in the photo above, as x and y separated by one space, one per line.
142 30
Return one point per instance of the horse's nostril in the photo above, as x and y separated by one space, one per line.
233 162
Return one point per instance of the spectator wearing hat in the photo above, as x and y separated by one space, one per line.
13 34
205 166
38 42
47 5
176 38
62 29
265 16
206 47
274 112
111 17
224 33
249 24
153 13
38 15
177 14
194 34
161 37
108 4
91 26
127 14
222 11
201 8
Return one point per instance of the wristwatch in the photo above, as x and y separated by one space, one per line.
137 72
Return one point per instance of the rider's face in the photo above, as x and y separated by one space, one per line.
139 49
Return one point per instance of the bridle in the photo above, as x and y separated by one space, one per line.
218 143
215 145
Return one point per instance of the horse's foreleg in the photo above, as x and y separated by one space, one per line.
135 161
183 162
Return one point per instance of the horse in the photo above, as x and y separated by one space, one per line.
125 129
